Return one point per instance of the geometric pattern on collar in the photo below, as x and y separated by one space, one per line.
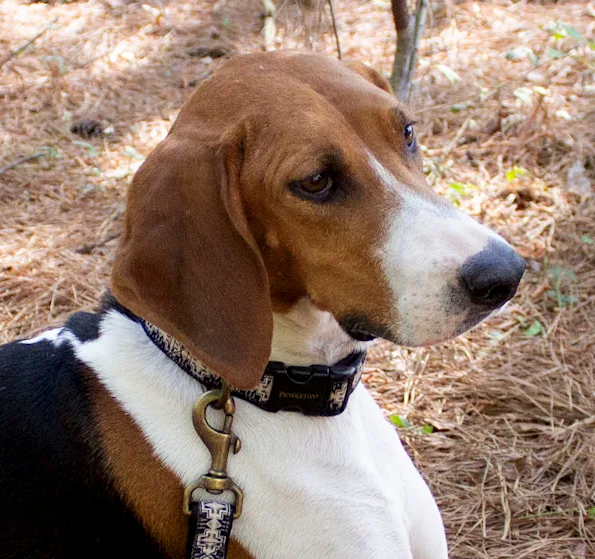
317 390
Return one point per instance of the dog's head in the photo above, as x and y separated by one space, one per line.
294 175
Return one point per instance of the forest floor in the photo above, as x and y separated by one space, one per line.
500 421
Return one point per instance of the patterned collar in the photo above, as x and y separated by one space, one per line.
317 390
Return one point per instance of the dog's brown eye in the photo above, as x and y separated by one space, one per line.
318 183
320 187
409 135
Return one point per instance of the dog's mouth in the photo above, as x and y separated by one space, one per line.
361 329
472 319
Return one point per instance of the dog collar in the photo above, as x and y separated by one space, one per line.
318 390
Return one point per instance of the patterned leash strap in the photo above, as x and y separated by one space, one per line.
209 530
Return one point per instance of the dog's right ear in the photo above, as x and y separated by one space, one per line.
373 76
187 262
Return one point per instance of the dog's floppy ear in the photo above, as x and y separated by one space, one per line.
369 74
187 261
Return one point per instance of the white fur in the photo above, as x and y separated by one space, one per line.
387 179
426 244
57 336
305 336
332 488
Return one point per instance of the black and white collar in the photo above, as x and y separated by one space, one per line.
318 390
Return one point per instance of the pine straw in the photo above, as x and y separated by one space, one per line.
512 457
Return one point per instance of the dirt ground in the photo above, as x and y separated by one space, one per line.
500 421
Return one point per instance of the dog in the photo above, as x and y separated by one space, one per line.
284 220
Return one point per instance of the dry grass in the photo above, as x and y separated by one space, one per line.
512 455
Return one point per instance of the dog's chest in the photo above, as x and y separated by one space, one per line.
314 487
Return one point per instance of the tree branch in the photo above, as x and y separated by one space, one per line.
409 30
331 4
400 14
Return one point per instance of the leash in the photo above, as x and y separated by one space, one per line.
315 390
211 518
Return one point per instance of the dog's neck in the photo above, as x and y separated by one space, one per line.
306 335
314 365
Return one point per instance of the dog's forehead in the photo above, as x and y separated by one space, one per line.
289 82
305 106
306 68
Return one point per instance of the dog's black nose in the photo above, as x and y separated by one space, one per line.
492 276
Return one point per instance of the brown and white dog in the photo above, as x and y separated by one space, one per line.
285 217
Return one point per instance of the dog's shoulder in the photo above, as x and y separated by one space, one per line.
55 482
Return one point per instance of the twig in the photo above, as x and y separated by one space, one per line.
471 97
19 50
92 59
25 159
455 141
420 20
331 5
269 29
88 248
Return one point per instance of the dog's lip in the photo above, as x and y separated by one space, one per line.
360 329
360 335
470 320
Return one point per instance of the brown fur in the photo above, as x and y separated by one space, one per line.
152 491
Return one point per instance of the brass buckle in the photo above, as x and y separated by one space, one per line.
219 443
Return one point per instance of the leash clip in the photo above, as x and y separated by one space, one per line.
219 443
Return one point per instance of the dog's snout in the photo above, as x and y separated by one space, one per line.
491 277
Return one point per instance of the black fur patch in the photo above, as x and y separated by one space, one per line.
109 302
56 493
84 325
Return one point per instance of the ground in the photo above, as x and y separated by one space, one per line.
501 421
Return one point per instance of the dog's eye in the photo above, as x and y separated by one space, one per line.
317 183
314 187
409 135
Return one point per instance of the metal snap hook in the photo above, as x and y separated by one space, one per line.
219 444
